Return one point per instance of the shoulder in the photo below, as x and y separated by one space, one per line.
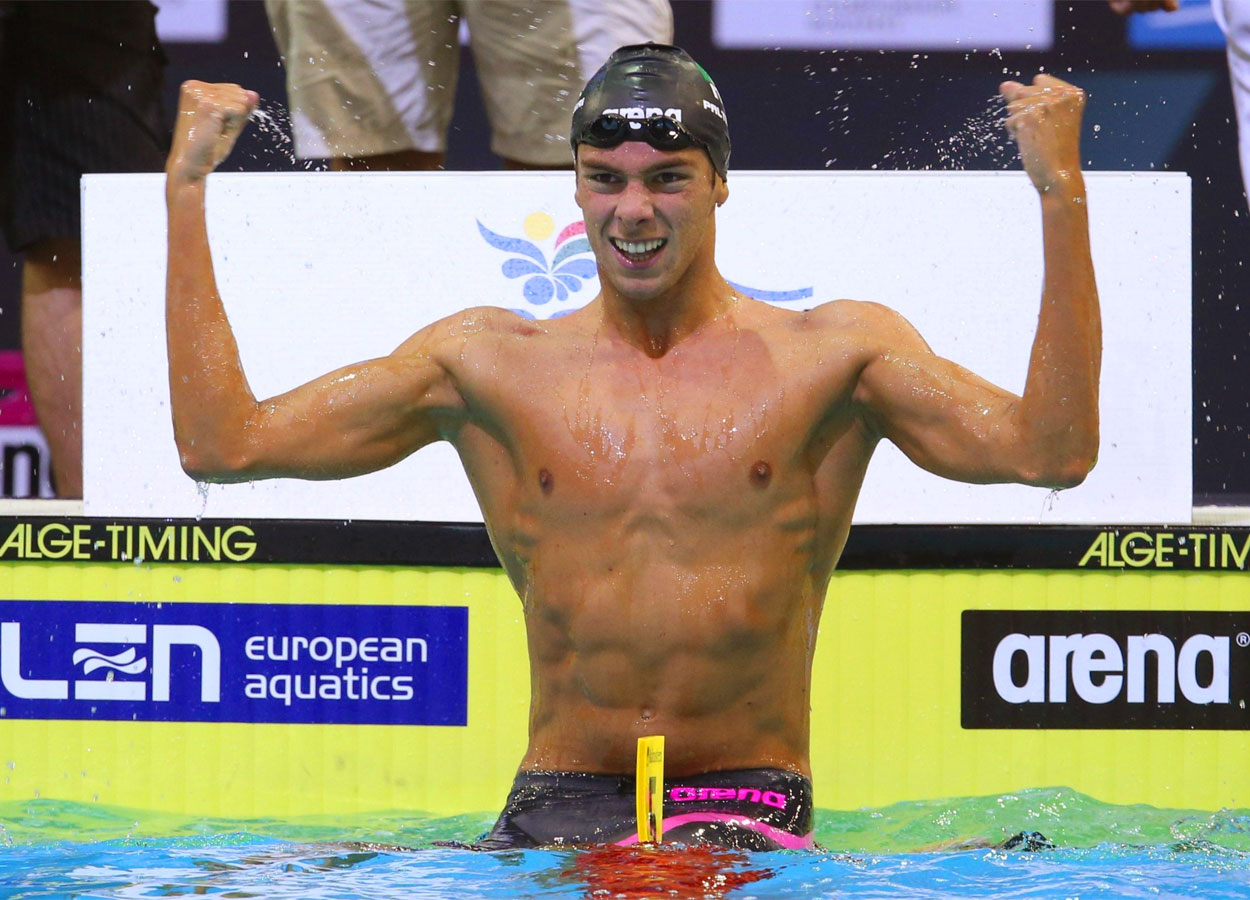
857 325
851 315
468 329
487 321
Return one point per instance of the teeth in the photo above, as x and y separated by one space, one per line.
639 246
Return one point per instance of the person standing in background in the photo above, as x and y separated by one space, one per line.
371 85
80 91
1233 17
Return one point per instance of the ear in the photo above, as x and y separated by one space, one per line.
720 190
577 187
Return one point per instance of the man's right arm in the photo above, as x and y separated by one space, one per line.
960 426
358 419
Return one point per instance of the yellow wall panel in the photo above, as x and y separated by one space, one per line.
885 724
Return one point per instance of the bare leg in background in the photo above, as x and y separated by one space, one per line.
52 350
399 161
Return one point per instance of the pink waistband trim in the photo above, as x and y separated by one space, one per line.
776 835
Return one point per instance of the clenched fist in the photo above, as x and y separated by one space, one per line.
210 119
1045 120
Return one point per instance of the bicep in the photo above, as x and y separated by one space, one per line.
944 417
357 419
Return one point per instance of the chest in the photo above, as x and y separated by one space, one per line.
699 432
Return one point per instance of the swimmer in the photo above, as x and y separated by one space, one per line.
672 508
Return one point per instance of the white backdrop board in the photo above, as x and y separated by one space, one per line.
318 269
957 25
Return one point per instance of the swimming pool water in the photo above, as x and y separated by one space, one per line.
53 849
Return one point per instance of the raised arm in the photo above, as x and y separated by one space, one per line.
357 419
960 426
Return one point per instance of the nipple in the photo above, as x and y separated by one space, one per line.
761 472
545 480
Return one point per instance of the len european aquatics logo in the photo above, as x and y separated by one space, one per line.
234 662
1105 669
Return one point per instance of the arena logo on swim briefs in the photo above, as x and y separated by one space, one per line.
217 662
1105 669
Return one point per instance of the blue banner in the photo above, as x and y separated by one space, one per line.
234 662
1192 27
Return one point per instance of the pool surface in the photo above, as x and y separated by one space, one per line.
923 849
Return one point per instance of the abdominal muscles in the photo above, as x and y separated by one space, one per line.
712 651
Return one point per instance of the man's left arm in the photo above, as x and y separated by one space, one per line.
960 426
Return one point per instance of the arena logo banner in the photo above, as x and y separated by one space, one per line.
216 662
1105 669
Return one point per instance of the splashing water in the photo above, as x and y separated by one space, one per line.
273 120
980 138
1048 504
905 850
201 488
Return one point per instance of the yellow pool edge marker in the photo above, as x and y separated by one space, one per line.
650 789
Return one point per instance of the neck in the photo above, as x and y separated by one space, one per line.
656 324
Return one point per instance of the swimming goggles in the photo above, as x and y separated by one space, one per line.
661 132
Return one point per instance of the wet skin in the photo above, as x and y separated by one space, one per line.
670 525
668 474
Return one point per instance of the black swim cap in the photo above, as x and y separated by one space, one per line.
647 81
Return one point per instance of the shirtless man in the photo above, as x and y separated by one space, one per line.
668 474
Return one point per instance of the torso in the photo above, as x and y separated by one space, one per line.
670 525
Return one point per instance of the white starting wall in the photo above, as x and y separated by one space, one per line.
317 270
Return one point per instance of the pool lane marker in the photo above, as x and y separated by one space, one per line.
650 789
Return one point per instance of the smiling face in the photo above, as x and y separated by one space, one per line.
649 215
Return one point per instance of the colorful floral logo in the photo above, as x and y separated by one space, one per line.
570 268
565 274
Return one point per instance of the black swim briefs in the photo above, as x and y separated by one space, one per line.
746 809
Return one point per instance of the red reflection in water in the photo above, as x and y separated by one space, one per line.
663 870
